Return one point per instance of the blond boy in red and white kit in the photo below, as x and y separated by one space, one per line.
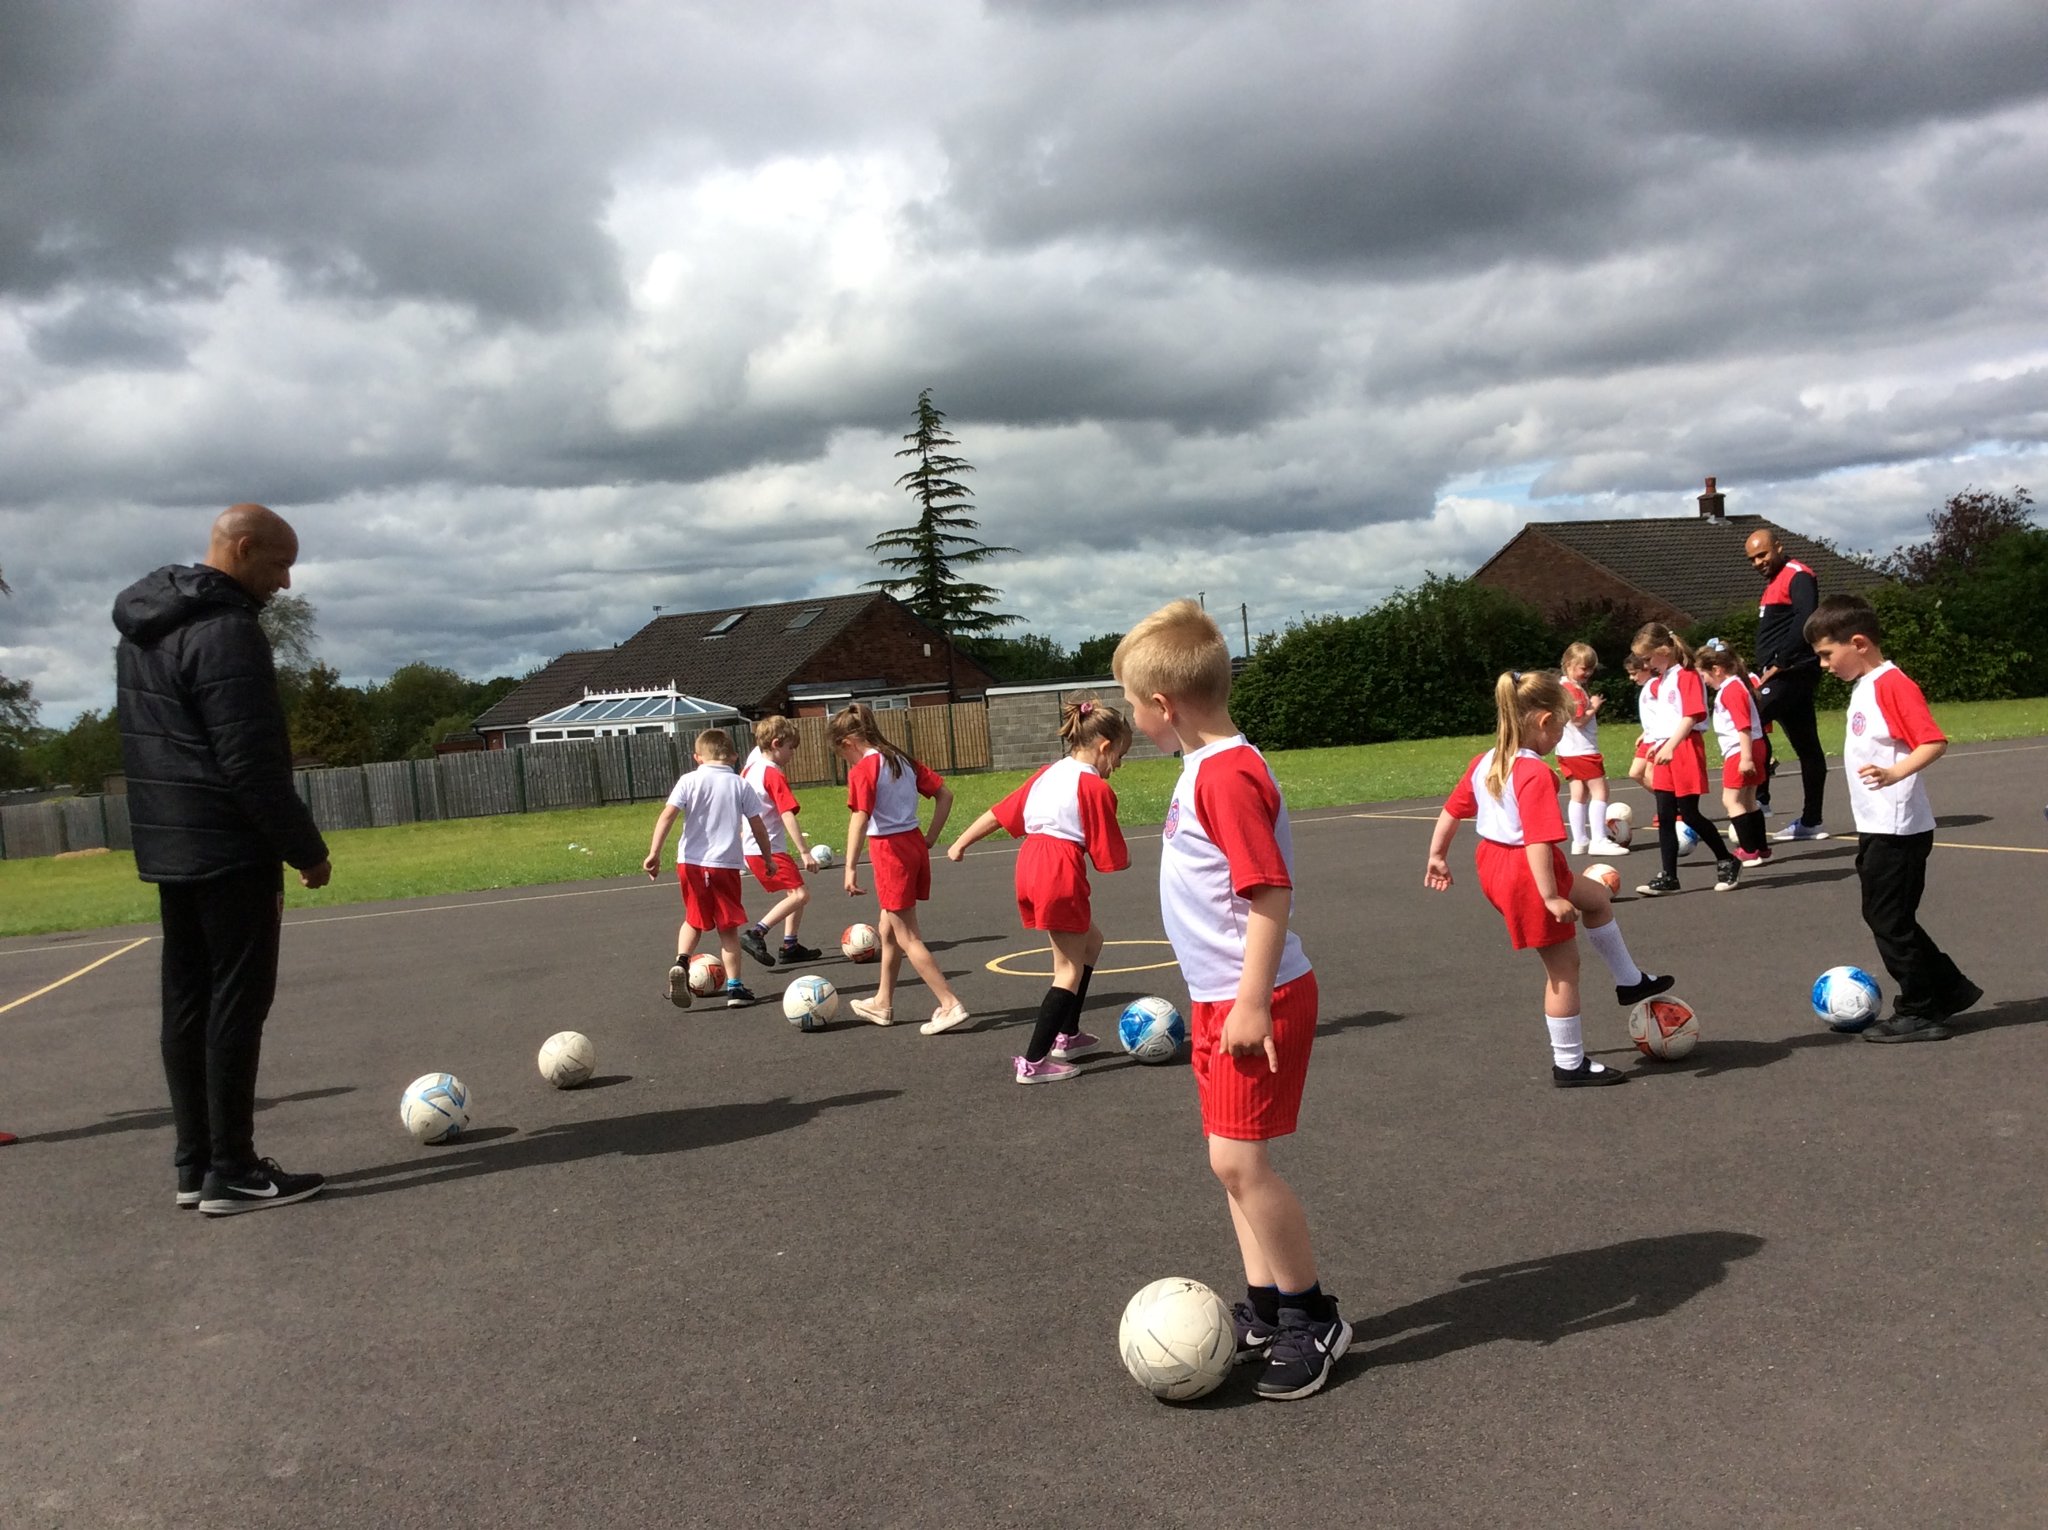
713 802
778 865
1226 894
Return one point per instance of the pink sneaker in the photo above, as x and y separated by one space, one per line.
1051 1071
1069 1045
1748 857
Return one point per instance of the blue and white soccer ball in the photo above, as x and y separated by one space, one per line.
435 1107
1846 998
1688 841
809 1003
1151 1030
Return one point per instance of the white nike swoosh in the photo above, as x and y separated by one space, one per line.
269 1189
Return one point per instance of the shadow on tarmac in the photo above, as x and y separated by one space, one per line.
646 1134
1540 1301
160 1116
1336 1025
1734 1055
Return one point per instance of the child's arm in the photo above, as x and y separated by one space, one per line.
662 824
1875 776
1436 875
1248 1028
981 828
1748 752
760 832
942 804
796 838
1541 868
856 833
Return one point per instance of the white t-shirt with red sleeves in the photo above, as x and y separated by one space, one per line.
1680 694
1068 800
889 799
1888 720
1582 729
1658 724
1226 836
766 777
715 802
1525 814
1735 716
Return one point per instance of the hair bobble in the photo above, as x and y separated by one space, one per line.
1517 674
1084 709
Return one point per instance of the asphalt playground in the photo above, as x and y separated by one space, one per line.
756 1277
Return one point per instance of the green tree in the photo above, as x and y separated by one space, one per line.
1094 654
402 711
330 724
18 732
1961 533
1034 656
82 755
923 558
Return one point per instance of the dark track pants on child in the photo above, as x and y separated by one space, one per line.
219 976
1893 871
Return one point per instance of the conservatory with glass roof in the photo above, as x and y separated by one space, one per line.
608 714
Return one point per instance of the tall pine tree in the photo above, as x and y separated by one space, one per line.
922 558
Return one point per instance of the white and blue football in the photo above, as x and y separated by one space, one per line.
1846 998
435 1107
1151 1030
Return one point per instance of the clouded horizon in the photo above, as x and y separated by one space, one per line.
532 316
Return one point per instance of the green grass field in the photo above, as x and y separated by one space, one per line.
527 850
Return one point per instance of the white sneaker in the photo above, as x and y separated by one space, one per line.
870 1011
944 1018
679 985
1578 847
1608 847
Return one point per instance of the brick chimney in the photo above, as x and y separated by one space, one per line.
1713 504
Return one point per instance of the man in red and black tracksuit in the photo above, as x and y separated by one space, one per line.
1789 671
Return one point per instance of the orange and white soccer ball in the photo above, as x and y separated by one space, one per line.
707 974
1664 1027
1621 822
1605 875
860 943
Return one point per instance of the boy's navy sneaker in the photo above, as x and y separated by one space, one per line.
259 1189
754 945
1303 1353
1629 995
1587 1075
793 952
1254 1334
1658 886
1964 996
738 995
191 1184
1907 1028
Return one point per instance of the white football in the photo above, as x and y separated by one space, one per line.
567 1059
434 1107
1176 1339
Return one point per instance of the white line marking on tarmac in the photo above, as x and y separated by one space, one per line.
67 945
1951 844
439 908
81 972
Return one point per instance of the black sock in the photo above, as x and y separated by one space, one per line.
1052 1014
1703 826
1749 828
1312 1301
1265 1302
1081 993
1667 832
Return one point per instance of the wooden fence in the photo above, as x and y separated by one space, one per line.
533 778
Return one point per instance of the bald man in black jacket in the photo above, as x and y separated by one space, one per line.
1788 671
215 817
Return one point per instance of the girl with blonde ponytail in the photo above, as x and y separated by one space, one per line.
1522 870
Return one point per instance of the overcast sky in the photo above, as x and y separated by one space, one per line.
532 316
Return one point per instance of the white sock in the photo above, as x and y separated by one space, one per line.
1566 1049
1601 831
1614 951
1576 812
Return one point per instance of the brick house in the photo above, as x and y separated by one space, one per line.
796 657
1672 569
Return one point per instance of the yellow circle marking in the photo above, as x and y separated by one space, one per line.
998 963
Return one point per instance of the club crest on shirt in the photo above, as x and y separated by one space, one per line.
1172 818
1856 723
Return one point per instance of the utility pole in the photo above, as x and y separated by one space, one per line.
1244 616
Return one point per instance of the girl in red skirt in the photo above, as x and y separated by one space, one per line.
1739 725
1523 872
1579 759
1678 770
1066 816
883 785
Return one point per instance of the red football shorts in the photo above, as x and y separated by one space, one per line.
1731 770
1052 885
711 897
1505 878
777 875
1582 767
1241 1097
903 869
1645 747
1686 775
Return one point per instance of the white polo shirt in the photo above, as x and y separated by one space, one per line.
715 803
1888 719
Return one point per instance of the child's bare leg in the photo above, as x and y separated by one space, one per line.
1603 932
790 908
1069 955
687 936
892 962
921 959
1561 1003
1578 789
1272 1228
729 952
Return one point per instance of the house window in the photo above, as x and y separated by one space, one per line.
889 703
725 624
805 617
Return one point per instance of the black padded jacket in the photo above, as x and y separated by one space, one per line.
203 734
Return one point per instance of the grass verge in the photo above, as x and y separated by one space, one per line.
528 850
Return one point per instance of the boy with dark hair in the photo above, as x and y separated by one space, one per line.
1891 737
1226 894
